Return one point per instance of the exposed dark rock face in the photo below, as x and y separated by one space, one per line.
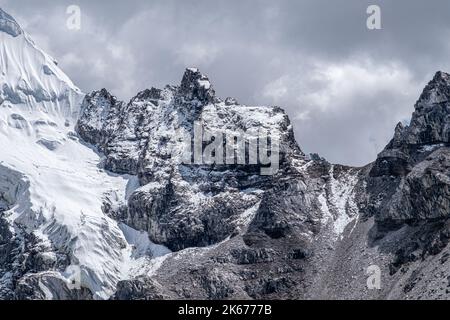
29 268
27 265
261 228
230 270
196 86
319 226
183 204
142 288
309 229
407 193
410 180
38 287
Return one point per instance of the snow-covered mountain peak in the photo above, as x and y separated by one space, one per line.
31 81
51 186
9 25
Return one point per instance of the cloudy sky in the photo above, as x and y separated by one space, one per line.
344 86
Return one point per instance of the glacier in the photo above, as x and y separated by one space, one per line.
52 185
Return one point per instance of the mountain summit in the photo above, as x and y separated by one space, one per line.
51 190
167 196
30 77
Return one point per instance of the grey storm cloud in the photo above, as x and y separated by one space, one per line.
344 86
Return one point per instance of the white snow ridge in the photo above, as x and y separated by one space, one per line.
50 183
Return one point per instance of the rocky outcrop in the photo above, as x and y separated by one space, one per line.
409 181
307 230
27 264
317 226
196 86
181 203
408 199
252 235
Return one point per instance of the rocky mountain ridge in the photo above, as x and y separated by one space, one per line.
99 201
305 215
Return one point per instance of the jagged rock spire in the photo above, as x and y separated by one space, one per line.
437 91
429 126
430 122
196 86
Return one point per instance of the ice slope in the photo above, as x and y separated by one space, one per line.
31 78
65 186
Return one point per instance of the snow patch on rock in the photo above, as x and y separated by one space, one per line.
337 202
